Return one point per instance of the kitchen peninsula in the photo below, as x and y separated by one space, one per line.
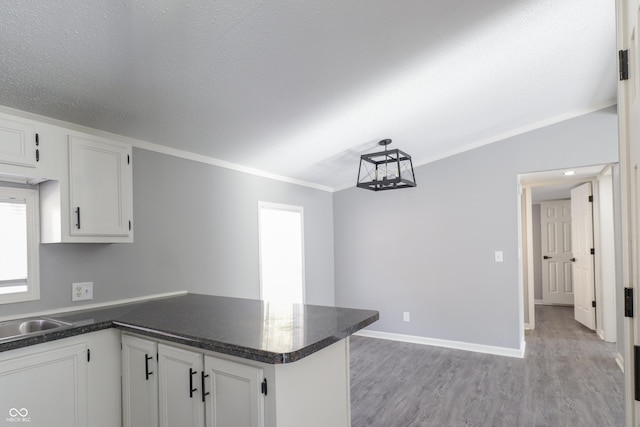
208 360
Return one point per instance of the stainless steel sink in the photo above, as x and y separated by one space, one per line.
23 327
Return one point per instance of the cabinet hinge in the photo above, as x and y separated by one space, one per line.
263 387
88 355
591 199
593 251
37 138
593 304
636 359
628 302
623 64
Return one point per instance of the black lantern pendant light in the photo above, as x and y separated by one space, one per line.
386 170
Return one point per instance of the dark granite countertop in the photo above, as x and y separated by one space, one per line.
252 329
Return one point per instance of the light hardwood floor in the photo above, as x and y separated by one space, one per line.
568 378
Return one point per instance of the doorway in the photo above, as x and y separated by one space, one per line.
540 187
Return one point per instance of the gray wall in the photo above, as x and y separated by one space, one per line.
430 250
195 229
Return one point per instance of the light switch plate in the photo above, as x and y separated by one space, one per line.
499 256
81 291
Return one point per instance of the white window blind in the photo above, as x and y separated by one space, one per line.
19 245
13 245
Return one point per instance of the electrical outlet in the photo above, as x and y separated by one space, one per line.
406 317
499 256
81 291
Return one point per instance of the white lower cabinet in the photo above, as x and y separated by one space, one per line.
69 382
165 385
180 387
234 393
139 382
48 388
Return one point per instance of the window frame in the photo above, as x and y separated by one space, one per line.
288 208
31 197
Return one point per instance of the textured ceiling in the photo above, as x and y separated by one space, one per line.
302 88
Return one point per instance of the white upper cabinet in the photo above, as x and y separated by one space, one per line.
92 202
86 184
17 143
25 156
100 188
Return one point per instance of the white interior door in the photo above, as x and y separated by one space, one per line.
627 16
555 225
583 266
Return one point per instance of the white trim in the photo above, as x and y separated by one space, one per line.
620 361
92 306
521 130
456 345
528 250
182 154
527 327
187 155
542 302
163 149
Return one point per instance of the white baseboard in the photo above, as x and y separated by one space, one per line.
91 306
620 361
542 302
456 345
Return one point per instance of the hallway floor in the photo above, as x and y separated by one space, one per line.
568 378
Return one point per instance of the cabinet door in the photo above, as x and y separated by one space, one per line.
139 382
234 396
180 388
47 388
17 143
100 188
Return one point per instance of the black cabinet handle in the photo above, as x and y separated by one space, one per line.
37 155
544 257
572 259
204 394
191 389
78 217
146 366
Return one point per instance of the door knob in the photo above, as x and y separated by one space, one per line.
572 259
546 257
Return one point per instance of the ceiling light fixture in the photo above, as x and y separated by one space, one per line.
569 173
386 170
